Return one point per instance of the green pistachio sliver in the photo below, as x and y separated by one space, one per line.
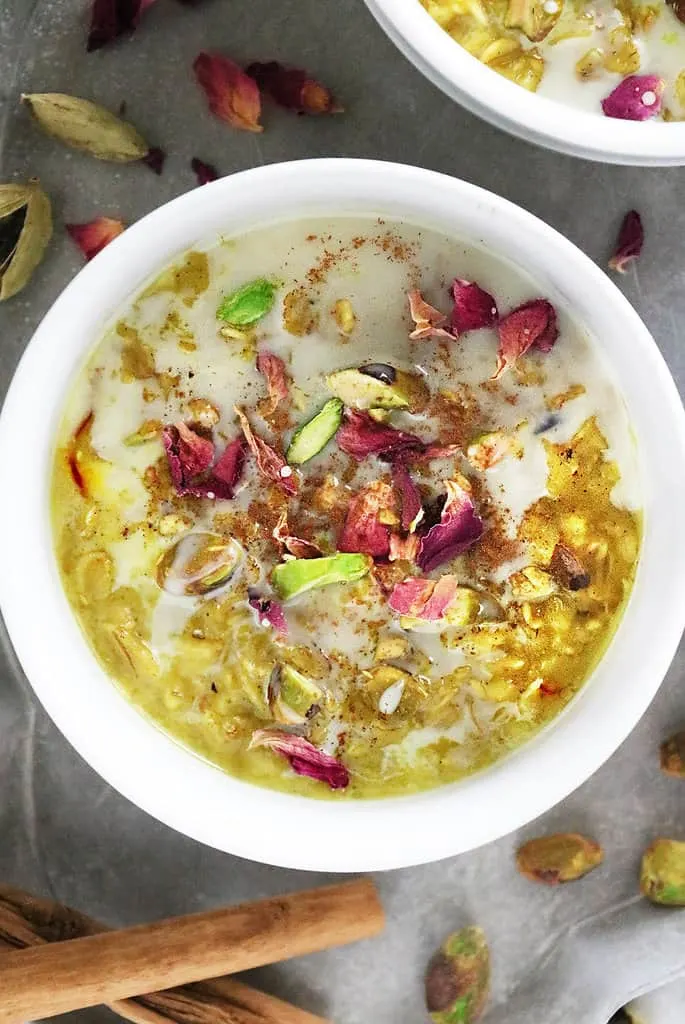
662 876
80 124
301 574
248 305
313 437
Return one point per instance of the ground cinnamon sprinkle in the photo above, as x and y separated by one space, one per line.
458 414
495 546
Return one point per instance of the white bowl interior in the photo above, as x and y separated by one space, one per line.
508 106
198 799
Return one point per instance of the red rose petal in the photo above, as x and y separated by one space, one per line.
304 757
110 19
429 322
228 470
363 532
273 369
95 235
154 159
190 456
270 613
441 598
294 545
232 95
473 308
459 528
361 436
636 98
203 172
631 237
293 89
410 596
270 464
410 499
534 324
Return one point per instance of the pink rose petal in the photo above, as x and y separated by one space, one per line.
304 757
269 613
473 308
227 471
441 598
534 324
273 369
92 237
203 172
270 464
361 436
459 528
429 322
410 596
410 499
636 98
631 237
363 532
110 19
293 89
232 95
294 545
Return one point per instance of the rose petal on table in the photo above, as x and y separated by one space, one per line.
473 308
270 613
110 19
631 237
410 499
154 159
361 436
304 757
636 98
533 324
363 531
92 237
460 527
294 545
203 172
232 95
269 463
273 370
293 88
429 322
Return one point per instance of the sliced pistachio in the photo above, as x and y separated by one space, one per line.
673 755
135 653
662 877
563 857
313 436
25 230
198 563
590 64
88 126
391 646
344 316
301 574
147 431
203 412
249 304
535 18
299 316
458 978
94 576
532 584
361 390
173 523
292 696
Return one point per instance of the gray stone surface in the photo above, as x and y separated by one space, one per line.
62 830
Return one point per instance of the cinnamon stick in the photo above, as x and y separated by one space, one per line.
114 966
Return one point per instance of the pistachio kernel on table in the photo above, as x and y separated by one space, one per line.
672 755
562 857
662 875
458 978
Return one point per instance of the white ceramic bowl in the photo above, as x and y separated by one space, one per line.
176 786
506 105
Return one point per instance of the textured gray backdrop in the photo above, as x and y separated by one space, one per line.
62 830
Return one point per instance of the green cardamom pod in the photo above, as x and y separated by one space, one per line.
25 230
84 125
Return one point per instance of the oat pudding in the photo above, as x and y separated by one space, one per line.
347 507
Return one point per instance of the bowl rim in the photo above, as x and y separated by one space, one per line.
506 105
171 783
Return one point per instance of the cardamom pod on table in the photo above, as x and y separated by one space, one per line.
88 126
25 230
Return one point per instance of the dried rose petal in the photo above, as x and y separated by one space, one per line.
190 456
293 89
304 757
270 613
411 595
631 237
567 570
276 375
110 19
294 545
459 528
232 95
532 324
95 235
410 499
429 321
270 464
672 756
363 531
426 453
227 470
563 857
636 98
441 598
361 436
473 307
154 159
203 172
404 549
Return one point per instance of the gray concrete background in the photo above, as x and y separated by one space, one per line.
62 830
